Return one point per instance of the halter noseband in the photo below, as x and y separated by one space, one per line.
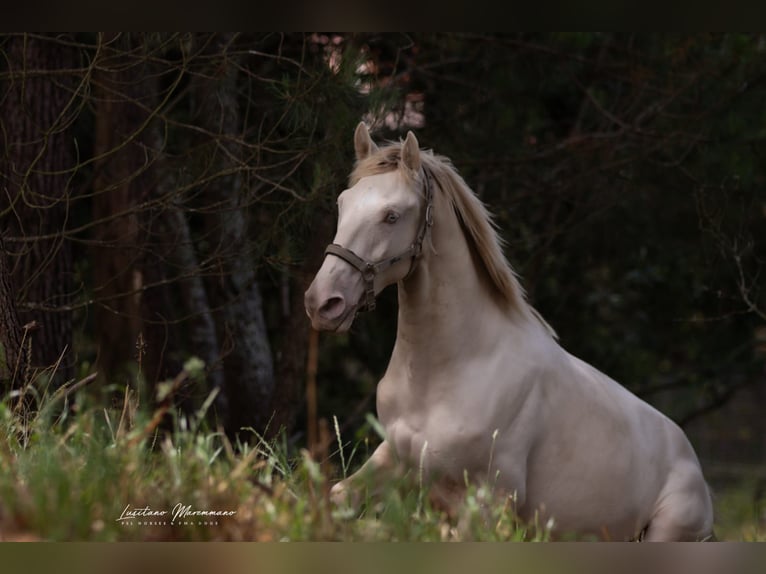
369 269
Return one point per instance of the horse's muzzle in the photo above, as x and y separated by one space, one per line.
328 312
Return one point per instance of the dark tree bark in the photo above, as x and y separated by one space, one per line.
14 363
202 335
37 164
234 291
133 304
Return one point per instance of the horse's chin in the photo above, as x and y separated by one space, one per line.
346 321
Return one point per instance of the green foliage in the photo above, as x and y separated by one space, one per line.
74 474
741 511
74 477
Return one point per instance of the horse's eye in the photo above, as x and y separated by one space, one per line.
391 217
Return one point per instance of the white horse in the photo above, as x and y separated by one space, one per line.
477 384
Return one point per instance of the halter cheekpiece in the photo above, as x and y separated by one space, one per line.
369 269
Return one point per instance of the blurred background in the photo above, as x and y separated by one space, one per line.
169 195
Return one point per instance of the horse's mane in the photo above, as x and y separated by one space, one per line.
476 220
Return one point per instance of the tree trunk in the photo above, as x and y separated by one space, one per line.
38 162
203 338
234 292
133 304
15 363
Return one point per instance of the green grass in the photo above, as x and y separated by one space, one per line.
69 474
741 512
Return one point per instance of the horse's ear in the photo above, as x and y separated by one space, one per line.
411 152
363 144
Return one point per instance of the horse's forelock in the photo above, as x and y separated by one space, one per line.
384 160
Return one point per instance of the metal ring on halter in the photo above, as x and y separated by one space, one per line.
369 269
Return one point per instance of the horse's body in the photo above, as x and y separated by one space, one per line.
477 384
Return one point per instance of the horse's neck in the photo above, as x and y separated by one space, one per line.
448 307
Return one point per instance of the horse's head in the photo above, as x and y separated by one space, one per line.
382 221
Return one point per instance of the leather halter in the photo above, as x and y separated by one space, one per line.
369 269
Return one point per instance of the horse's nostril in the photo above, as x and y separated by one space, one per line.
332 308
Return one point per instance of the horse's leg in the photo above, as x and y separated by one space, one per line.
380 468
684 511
